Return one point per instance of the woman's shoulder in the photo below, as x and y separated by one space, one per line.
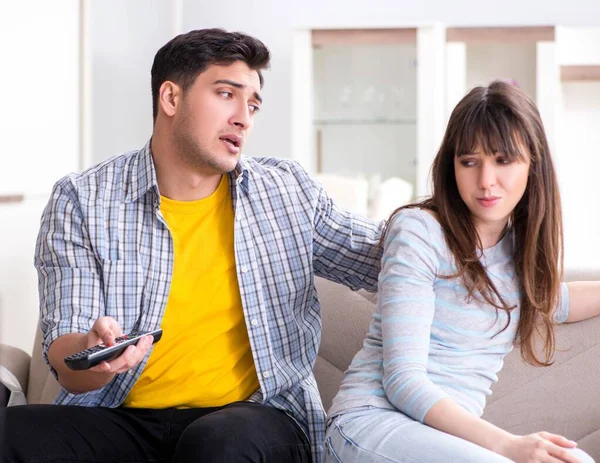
416 219
417 227
415 234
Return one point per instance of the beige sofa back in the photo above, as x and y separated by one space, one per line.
563 398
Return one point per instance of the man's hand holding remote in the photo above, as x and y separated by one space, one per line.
105 330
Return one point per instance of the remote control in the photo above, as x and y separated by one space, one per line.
94 355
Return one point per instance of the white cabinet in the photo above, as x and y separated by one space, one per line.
365 109
524 56
369 102
559 67
578 141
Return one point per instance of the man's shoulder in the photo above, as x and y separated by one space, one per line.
104 176
264 164
271 168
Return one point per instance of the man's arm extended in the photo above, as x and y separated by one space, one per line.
71 296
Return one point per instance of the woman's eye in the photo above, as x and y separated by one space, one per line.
468 163
503 161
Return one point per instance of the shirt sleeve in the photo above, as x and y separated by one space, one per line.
407 304
346 246
562 311
69 280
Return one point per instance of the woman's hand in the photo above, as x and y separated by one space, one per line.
539 447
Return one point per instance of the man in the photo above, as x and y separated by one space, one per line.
219 251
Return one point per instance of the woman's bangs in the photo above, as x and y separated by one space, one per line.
492 130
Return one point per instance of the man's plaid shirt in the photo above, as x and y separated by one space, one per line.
105 250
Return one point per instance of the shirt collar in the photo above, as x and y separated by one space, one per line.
239 175
142 175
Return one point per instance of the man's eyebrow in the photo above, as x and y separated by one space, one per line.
236 85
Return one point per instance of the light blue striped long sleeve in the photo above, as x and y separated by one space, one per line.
406 291
427 339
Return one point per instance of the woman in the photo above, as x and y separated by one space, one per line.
466 274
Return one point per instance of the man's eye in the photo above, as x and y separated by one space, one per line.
254 108
226 94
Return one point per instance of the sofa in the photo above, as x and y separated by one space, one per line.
562 398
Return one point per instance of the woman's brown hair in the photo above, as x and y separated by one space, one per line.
502 118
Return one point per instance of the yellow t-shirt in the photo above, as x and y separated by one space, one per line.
204 357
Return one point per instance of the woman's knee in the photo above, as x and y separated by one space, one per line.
582 456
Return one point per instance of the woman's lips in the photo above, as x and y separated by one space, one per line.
489 201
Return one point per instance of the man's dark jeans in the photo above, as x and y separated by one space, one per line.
239 432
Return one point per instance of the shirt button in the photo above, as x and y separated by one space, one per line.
266 374
238 218
244 269
254 322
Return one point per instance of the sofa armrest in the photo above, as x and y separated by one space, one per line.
16 362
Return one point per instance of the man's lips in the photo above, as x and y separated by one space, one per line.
235 140
232 142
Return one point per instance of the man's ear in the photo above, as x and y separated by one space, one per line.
169 98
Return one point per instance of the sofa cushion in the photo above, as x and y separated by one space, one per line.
346 317
11 390
560 398
43 387
17 362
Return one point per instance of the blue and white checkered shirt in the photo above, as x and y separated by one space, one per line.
105 250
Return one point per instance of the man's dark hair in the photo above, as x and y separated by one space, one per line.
181 59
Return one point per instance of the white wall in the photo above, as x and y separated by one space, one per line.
123 39
40 83
18 278
39 129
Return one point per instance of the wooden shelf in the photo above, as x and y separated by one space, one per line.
500 34
580 73
354 122
322 37
6 199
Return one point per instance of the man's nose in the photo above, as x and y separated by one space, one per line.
241 119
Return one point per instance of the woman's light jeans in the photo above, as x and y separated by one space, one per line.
375 435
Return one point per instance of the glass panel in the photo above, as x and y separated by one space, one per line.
365 110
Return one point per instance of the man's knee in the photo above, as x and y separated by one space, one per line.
219 438
243 432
